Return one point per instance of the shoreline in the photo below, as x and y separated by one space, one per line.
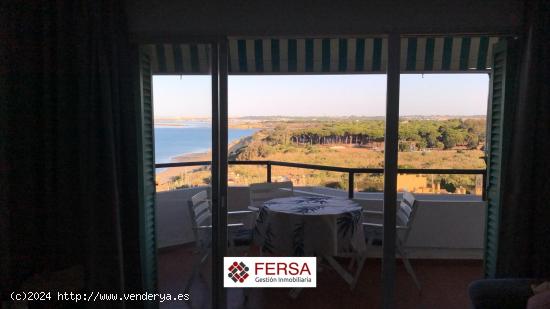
163 178
207 153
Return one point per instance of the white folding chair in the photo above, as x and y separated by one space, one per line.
261 192
200 212
405 217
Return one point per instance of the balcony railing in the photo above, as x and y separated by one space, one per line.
351 171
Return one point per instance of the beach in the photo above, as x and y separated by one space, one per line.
164 177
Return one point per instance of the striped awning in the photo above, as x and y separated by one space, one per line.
329 56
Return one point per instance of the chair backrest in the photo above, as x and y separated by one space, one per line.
261 192
406 213
199 212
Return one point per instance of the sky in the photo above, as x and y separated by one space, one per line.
323 95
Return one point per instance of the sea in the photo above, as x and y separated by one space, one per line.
188 137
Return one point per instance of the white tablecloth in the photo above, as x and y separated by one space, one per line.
310 226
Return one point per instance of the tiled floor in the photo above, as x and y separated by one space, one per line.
444 285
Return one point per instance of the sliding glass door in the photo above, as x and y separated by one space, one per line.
183 128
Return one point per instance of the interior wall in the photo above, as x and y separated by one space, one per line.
318 18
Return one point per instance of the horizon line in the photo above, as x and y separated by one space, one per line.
315 116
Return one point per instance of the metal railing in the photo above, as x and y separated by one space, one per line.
351 171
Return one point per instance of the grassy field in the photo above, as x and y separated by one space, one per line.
354 157
343 157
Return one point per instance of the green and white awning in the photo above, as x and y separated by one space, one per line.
329 56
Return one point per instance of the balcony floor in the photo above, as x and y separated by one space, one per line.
444 285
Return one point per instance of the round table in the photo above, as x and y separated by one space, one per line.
310 226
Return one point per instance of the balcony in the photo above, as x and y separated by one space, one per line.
446 242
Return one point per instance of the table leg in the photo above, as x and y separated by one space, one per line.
339 269
296 291
349 278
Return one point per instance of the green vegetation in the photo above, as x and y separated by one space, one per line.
413 134
446 144
346 132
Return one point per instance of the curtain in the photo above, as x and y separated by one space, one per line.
524 246
68 163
